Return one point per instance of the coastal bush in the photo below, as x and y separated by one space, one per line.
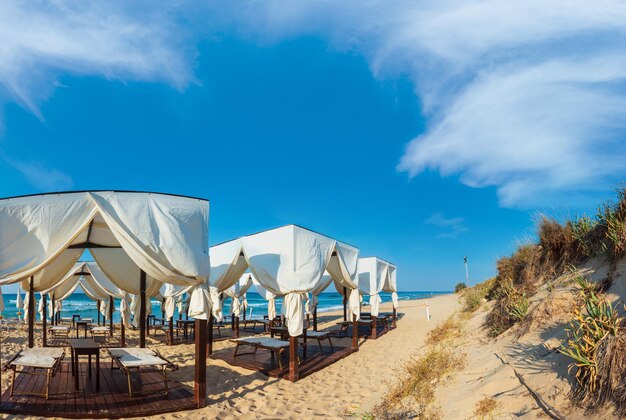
485 407
410 396
612 218
459 287
596 344
511 307
473 296
450 328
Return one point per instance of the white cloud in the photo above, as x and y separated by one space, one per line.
44 40
40 175
523 96
452 227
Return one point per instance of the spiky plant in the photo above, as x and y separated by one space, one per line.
595 320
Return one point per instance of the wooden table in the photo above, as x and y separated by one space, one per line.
85 347
84 323
185 323
75 317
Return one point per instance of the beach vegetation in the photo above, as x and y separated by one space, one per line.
485 408
460 287
473 297
597 346
414 390
449 329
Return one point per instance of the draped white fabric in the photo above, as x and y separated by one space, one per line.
1 301
391 285
27 313
40 306
163 235
169 304
373 275
290 261
19 304
237 292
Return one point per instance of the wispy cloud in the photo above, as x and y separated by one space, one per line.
42 41
40 175
523 96
451 227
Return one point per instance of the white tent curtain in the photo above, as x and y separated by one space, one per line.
237 293
40 306
169 304
290 261
373 273
227 267
1 301
19 304
27 313
165 236
391 285
268 296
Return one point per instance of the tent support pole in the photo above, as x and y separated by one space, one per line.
200 368
111 306
236 327
210 335
123 333
355 334
53 309
345 301
98 310
374 328
170 335
315 318
31 313
44 320
395 316
142 309
232 322
293 359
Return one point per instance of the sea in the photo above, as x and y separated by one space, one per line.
81 304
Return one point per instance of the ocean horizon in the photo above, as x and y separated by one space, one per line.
81 304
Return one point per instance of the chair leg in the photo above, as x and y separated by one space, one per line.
331 344
130 389
319 343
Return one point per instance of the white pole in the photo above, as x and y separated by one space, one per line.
466 272
427 312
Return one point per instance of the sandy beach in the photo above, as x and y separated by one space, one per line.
350 387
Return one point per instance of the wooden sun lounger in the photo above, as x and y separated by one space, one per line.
46 358
100 331
319 336
275 346
131 358
59 331
254 322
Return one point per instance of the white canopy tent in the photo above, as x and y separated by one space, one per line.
376 275
289 262
137 239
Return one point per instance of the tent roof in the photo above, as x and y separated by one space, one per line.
86 191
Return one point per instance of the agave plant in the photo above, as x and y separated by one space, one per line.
591 324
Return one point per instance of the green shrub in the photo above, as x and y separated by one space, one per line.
594 322
459 287
474 296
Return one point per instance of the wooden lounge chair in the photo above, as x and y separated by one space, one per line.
131 358
275 346
319 336
64 320
100 331
36 358
59 331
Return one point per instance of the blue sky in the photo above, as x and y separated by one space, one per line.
405 130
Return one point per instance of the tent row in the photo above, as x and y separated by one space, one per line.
156 245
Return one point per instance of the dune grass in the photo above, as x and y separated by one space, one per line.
485 408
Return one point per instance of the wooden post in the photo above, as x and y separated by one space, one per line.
171 331
293 359
315 318
355 334
374 328
210 335
395 317
232 322
123 333
31 313
200 368
345 306
162 311
98 311
142 309
52 315
236 327
111 307
44 320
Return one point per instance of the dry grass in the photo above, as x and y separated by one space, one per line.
449 329
473 297
485 407
414 390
